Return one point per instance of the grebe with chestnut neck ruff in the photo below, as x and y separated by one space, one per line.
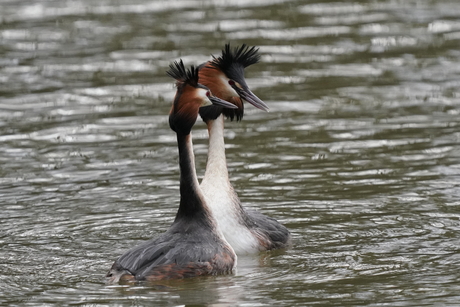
247 231
193 245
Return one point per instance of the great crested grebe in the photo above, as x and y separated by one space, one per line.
247 231
193 245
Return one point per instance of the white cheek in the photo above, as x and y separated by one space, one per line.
230 91
202 95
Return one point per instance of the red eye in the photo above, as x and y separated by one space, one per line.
231 82
208 93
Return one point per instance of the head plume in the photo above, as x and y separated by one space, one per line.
242 56
183 76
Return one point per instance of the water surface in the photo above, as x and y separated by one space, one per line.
359 156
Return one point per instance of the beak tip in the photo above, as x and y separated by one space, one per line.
254 100
263 107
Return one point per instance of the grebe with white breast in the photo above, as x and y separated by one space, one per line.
247 231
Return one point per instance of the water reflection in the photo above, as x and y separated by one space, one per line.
358 156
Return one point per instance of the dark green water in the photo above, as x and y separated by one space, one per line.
359 156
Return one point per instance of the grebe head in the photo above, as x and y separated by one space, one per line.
224 75
190 96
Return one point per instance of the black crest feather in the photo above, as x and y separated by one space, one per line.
234 113
177 71
241 56
213 112
210 112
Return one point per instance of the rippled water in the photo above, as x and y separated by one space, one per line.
359 156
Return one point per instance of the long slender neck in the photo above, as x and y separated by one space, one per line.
192 202
216 165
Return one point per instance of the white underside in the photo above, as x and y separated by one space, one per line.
222 200
223 210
